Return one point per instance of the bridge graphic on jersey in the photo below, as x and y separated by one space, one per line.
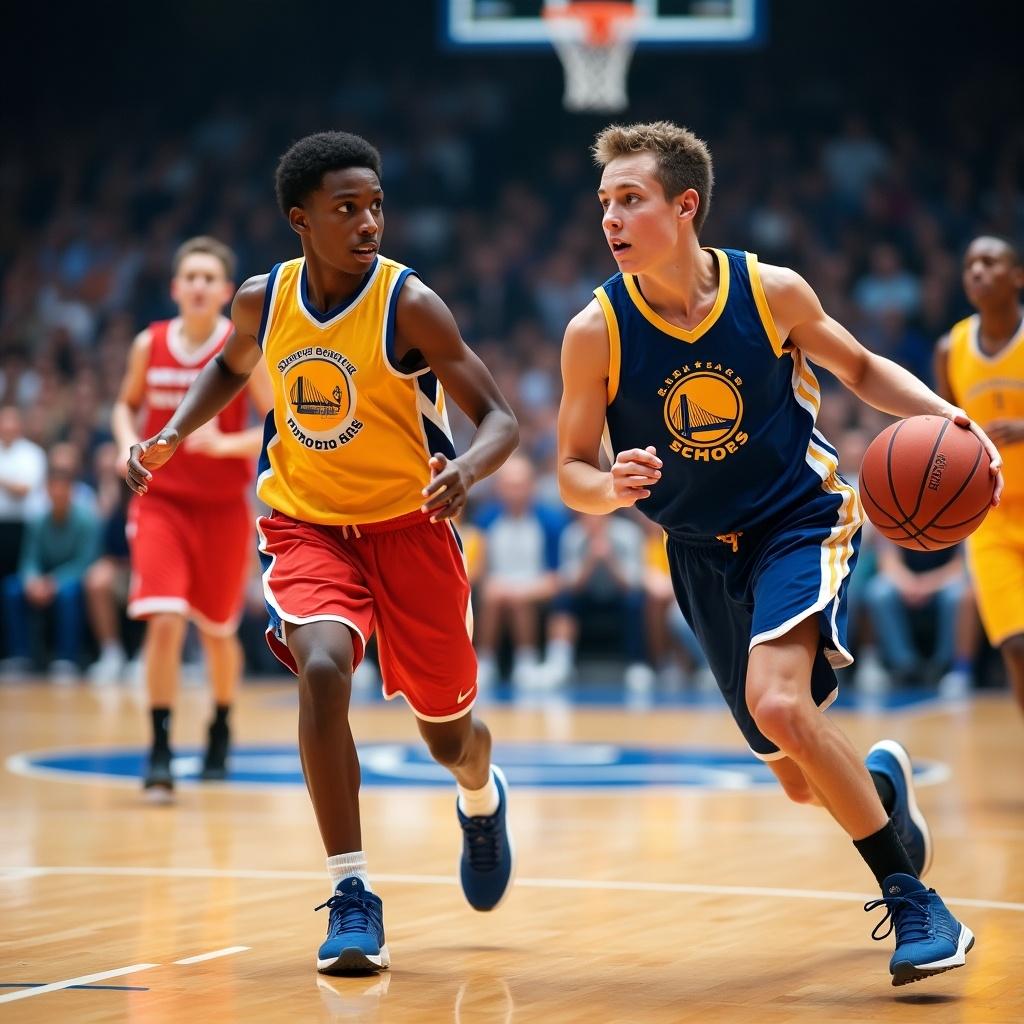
689 419
308 401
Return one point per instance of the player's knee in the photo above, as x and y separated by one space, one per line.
165 631
779 717
1012 650
324 681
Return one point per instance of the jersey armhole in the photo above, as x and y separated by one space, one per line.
779 346
391 361
614 343
269 300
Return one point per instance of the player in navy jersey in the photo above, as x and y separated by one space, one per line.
691 365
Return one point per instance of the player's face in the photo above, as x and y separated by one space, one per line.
200 287
990 274
641 226
343 220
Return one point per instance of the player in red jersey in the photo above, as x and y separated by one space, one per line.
191 540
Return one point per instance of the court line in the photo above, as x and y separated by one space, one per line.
85 979
227 951
601 885
936 773
83 988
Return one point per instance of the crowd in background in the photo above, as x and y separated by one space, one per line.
494 206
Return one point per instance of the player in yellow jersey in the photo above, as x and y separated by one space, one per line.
980 366
360 472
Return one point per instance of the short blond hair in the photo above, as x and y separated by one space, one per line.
684 161
210 247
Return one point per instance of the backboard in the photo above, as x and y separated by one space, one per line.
471 24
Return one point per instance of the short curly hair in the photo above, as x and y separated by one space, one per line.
684 161
302 168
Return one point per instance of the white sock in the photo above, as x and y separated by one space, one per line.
476 803
560 653
348 865
525 657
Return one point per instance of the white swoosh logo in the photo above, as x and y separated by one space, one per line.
463 696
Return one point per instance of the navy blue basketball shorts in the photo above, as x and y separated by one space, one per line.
740 590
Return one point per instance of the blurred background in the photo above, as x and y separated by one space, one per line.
863 144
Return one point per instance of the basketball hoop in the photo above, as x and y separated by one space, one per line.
595 43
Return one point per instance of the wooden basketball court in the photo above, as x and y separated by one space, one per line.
632 904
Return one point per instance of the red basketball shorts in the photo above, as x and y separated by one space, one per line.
191 559
404 577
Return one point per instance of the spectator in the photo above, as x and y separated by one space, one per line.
59 546
888 286
932 582
521 558
601 570
22 474
106 580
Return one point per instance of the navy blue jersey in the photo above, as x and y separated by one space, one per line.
729 407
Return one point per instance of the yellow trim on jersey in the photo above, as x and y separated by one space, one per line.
840 541
761 301
681 332
614 343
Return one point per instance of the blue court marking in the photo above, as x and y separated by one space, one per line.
105 988
601 696
539 765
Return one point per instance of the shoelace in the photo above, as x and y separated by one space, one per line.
910 915
349 914
483 840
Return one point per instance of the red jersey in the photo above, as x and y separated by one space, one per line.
171 370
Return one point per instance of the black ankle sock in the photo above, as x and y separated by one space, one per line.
886 792
884 853
220 716
161 718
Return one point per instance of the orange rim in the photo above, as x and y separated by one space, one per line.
598 16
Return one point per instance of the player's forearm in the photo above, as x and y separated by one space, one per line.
496 438
122 423
585 488
211 391
891 388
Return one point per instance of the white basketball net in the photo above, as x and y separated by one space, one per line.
595 72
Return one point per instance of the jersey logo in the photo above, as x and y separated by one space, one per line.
703 411
320 398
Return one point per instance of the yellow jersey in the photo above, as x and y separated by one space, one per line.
352 430
990 388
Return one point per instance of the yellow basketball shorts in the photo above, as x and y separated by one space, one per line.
995 555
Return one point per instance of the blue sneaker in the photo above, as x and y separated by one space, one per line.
355 931
889 758
488 857
929 939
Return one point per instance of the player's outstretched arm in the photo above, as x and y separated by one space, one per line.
584 486
874 379
425 324
218 383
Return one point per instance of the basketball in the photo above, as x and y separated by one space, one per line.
925 483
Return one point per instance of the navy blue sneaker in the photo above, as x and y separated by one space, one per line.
355 931
889 758
929 939
488 857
